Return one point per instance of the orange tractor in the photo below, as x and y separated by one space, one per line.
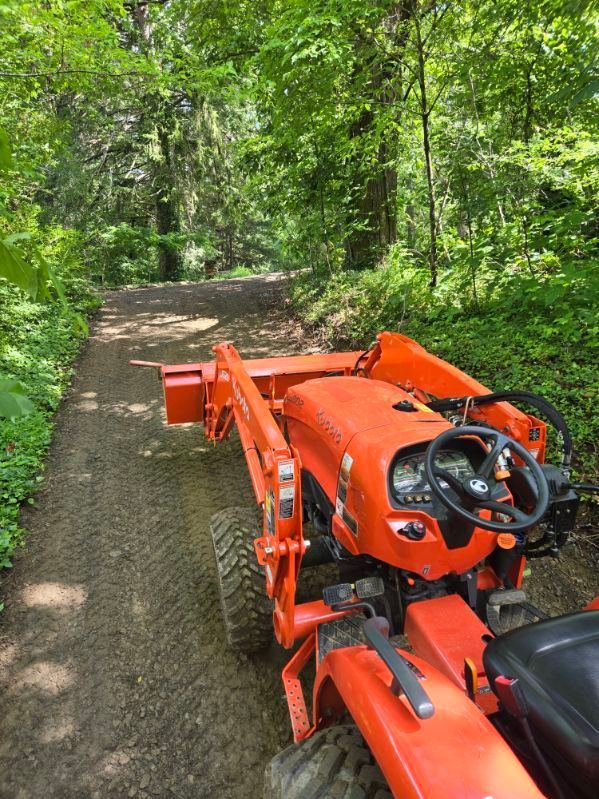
433 677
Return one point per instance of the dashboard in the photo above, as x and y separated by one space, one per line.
409 484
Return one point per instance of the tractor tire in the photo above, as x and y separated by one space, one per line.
246 608
335 763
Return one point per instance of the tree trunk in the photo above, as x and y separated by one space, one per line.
142 20
166 209
228 257
529 112
432 213
410 217
428 159
376 208
167 215
376 212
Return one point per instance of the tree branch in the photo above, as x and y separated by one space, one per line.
67 72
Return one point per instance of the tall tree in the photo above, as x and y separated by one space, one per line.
159 114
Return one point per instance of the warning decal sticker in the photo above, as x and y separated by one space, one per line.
346 465
286 471
350 521
344 473
340 508
286 501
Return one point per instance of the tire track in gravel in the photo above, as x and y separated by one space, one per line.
115 676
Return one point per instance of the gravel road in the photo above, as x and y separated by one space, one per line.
115 676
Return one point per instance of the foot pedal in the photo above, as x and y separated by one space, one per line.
335 594
343 592
369 586
338 634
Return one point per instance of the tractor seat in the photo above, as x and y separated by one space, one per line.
557 665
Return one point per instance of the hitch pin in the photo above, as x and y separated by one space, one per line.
150 364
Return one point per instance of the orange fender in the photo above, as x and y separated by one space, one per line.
456 754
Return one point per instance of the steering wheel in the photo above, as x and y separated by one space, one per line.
476 490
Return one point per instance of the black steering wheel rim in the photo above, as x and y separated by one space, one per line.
477 487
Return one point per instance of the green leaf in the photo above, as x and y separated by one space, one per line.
80 325
45 275
13 401
5 151
32 279
15 269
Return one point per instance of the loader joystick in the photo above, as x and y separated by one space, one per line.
478 490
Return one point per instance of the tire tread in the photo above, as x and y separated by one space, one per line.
246 608
334 763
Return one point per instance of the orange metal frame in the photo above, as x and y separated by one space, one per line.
468 758
250 394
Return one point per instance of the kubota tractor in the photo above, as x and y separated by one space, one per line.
433 677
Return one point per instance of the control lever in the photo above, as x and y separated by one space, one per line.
403 677
376 632
585 488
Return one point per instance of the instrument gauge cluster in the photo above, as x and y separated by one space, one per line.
409 483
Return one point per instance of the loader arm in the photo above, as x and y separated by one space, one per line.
399 360
249 394
274 468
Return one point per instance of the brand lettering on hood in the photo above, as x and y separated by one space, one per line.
241 400
328 426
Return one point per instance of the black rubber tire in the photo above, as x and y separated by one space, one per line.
335 763
246 608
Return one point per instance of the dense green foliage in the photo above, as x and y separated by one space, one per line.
38 343
441 166
433 166
530 336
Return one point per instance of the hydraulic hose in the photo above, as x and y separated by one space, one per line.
541 404
585 488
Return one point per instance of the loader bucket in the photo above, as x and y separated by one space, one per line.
183 390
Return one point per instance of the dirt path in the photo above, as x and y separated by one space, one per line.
116 679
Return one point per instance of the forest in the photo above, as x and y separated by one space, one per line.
429 167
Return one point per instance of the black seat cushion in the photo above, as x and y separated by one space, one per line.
557 664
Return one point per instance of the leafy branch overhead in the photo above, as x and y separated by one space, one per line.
31 273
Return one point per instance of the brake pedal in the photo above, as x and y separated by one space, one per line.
369 587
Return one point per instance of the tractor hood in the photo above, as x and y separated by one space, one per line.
326 414
340 407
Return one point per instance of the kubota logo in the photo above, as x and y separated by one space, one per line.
295 399
479 486
328 426
241 400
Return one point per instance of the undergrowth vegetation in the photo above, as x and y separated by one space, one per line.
38 343
537 334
